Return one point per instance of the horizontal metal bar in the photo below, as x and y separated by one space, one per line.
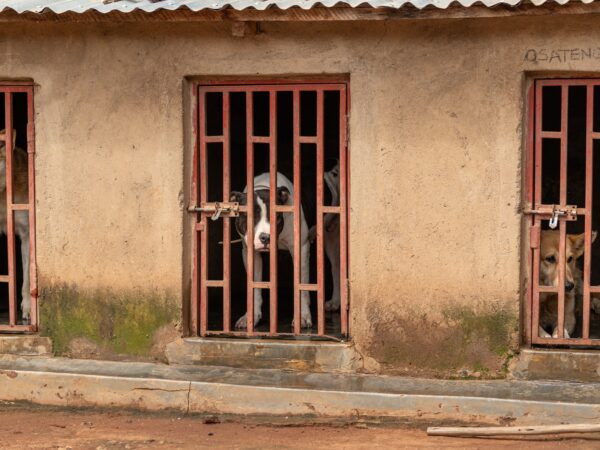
568 82
215 283
273 335
19 206
551 134
595 289
284 208
595 135
261 284
291 87
548 289
4 278
307 287
308 139
213 139
331 209
261 139
566 341
17 328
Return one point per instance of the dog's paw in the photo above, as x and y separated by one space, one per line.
555 333
332 305
543 333
243 321
305 321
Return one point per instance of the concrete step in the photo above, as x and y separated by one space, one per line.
308 356
302 397
25 345
551 364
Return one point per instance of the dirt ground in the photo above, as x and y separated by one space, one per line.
26 427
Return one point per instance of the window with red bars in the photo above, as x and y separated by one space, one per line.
564 292
18 287
287 145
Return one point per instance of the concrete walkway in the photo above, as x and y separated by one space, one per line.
305 396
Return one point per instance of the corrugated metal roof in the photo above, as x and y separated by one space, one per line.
107 6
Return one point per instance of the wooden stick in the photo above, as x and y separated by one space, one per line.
515 431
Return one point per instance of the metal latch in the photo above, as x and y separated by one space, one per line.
217 208
568 212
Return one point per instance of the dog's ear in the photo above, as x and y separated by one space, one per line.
283 195
14 136
578 243
238 197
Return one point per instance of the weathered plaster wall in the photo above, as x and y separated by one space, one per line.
436 144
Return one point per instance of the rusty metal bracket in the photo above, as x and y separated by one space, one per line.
554 212
231 209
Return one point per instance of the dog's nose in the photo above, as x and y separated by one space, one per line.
263 238
569 286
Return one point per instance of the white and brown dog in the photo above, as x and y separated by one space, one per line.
549 270
260 238
21 221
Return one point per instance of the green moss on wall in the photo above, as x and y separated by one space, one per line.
122 323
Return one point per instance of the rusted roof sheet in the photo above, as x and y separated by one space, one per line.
124 6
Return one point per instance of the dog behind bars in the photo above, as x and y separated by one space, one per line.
21 221
573 287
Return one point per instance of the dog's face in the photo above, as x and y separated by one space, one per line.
549 258
332 178
261 235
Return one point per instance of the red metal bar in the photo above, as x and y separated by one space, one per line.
195 298
214 283
589 185
320 250
308 287
266 86
268 334
537 179
226 219
344 194
250 214
31 181
563 201
203 188
529 188
273 211
297 188
10 228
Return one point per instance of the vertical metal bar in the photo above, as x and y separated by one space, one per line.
194 307
529 189
344 212
320 260
563 201
250 213
297 187
203 186
226 219
273 214
589 184
535 278
10 232
31 178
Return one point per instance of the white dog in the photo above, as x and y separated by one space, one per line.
21 221
261 238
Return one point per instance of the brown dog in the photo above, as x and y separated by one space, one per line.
549 270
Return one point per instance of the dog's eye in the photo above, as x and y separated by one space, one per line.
569 259
551 259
